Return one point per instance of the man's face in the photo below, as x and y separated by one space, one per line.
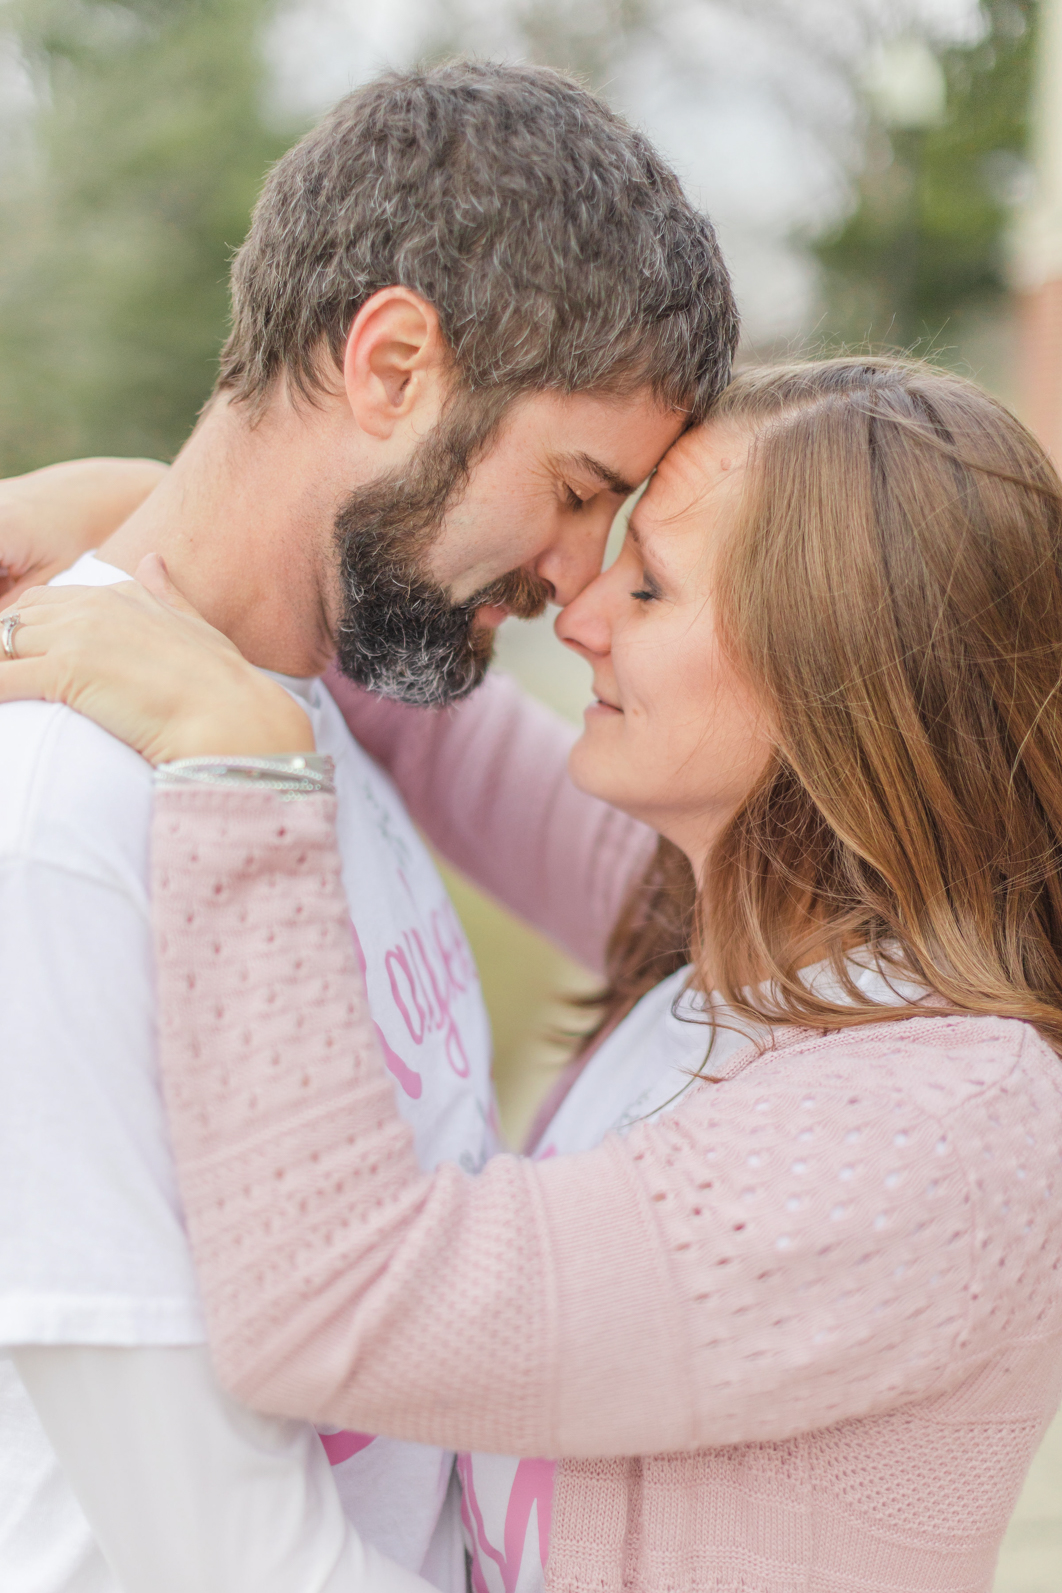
433 560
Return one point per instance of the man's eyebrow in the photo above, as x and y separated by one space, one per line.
603 473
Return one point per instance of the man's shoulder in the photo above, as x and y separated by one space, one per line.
72 796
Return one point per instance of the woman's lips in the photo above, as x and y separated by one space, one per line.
598 706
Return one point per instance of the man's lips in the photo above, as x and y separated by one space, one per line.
491 615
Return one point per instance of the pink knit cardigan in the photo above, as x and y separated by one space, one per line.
820 1305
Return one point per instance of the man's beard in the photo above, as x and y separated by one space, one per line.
399 634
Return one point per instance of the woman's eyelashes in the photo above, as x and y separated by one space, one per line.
648 591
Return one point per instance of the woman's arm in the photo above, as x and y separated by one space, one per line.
725 1275
487 782
49 517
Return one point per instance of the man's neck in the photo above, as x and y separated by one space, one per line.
242 520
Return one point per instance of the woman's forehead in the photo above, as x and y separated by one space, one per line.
702 463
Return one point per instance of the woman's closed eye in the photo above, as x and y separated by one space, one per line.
649 591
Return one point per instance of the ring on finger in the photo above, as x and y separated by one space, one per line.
7 634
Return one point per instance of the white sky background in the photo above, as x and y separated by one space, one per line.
757 103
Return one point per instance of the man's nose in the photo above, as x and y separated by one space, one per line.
575 560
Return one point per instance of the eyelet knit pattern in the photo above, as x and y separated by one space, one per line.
823 1297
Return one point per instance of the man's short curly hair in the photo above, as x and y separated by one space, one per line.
556 246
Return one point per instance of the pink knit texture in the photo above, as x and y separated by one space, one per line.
824 1295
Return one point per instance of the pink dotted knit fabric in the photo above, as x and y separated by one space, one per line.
823 1296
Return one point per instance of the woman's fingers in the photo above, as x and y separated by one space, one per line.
89 599
99 651
56 621
121 611
157 676
32 597
123 605
37 631
120 633
35 601
153 575
27 680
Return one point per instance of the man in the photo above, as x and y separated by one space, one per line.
472 312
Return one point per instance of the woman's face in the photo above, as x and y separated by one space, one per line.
675 736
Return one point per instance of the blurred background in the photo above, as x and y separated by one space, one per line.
883 174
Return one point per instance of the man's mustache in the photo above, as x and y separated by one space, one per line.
520 591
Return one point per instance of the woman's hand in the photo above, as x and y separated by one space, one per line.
49 517
141 662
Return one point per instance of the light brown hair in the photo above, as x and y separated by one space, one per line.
894 591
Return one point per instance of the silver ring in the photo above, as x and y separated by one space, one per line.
7 635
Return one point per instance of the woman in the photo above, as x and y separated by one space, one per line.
799 1323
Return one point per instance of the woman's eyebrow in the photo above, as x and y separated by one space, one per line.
648 558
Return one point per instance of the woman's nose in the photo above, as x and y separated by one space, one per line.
583 623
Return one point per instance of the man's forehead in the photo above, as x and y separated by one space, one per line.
623 435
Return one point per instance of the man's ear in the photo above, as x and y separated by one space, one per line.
395 362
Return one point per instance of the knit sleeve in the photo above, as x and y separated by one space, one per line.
487 782
798 1244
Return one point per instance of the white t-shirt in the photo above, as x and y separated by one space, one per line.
92 1244
640 1071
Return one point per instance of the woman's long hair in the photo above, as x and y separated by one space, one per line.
894 592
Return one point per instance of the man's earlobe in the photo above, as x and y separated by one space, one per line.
394 361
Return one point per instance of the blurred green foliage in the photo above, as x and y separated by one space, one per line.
925 246
150 136
118 216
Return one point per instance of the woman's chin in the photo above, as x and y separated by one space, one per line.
593 768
